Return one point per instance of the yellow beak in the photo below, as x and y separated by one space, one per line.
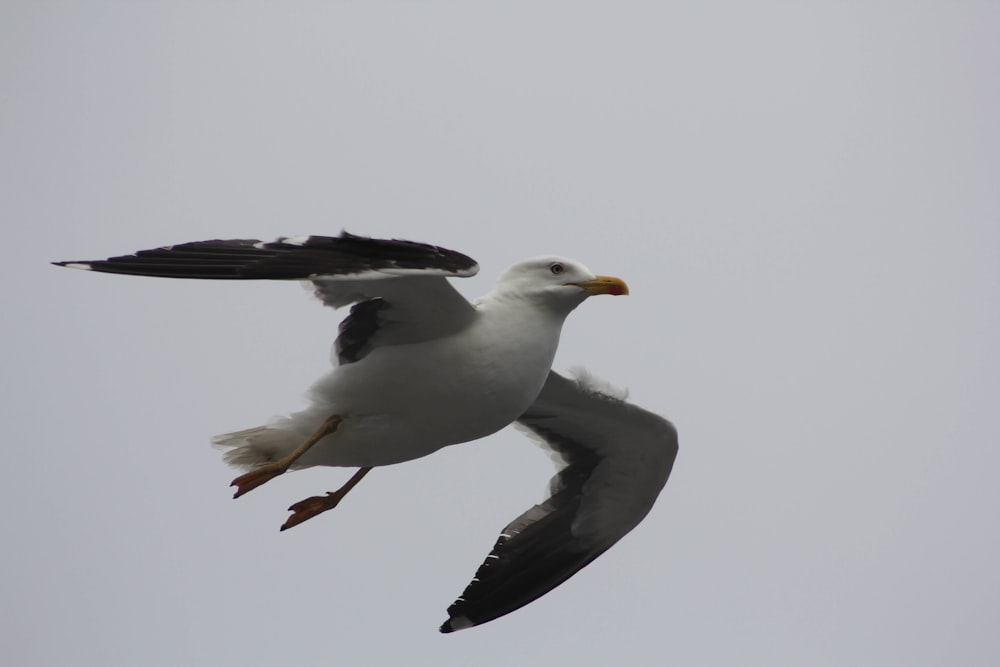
604 285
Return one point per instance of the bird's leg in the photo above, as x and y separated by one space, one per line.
267 472
310 507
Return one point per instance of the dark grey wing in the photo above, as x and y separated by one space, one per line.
617 460
288 258
394 282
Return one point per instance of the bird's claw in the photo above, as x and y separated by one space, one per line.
310 507
251 480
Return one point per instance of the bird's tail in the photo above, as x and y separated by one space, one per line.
260 445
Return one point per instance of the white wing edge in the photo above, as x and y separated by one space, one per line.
617 458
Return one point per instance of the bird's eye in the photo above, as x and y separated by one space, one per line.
557 268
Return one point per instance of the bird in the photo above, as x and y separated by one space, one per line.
417 367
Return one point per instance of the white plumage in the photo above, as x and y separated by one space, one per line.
420 368
468 372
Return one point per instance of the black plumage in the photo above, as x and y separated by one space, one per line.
601 439
357 330
285 259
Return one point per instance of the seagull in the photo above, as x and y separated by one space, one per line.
417 367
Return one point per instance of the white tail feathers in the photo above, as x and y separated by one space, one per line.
249 448
254 447
257 446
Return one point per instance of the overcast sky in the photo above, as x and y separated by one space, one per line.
803 198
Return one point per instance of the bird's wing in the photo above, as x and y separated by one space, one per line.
617 459
400 287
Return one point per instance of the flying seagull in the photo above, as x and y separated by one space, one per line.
418 367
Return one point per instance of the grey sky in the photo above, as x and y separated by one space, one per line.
802 196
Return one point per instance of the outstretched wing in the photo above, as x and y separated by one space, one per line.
618 458
394 282
289 258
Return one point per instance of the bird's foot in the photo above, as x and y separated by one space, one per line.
256 477
265 473
310 507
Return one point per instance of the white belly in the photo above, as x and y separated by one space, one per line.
404 402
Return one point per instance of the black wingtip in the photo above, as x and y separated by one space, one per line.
456 623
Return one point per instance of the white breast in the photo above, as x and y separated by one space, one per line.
404 402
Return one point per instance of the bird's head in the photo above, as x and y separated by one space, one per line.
557 280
